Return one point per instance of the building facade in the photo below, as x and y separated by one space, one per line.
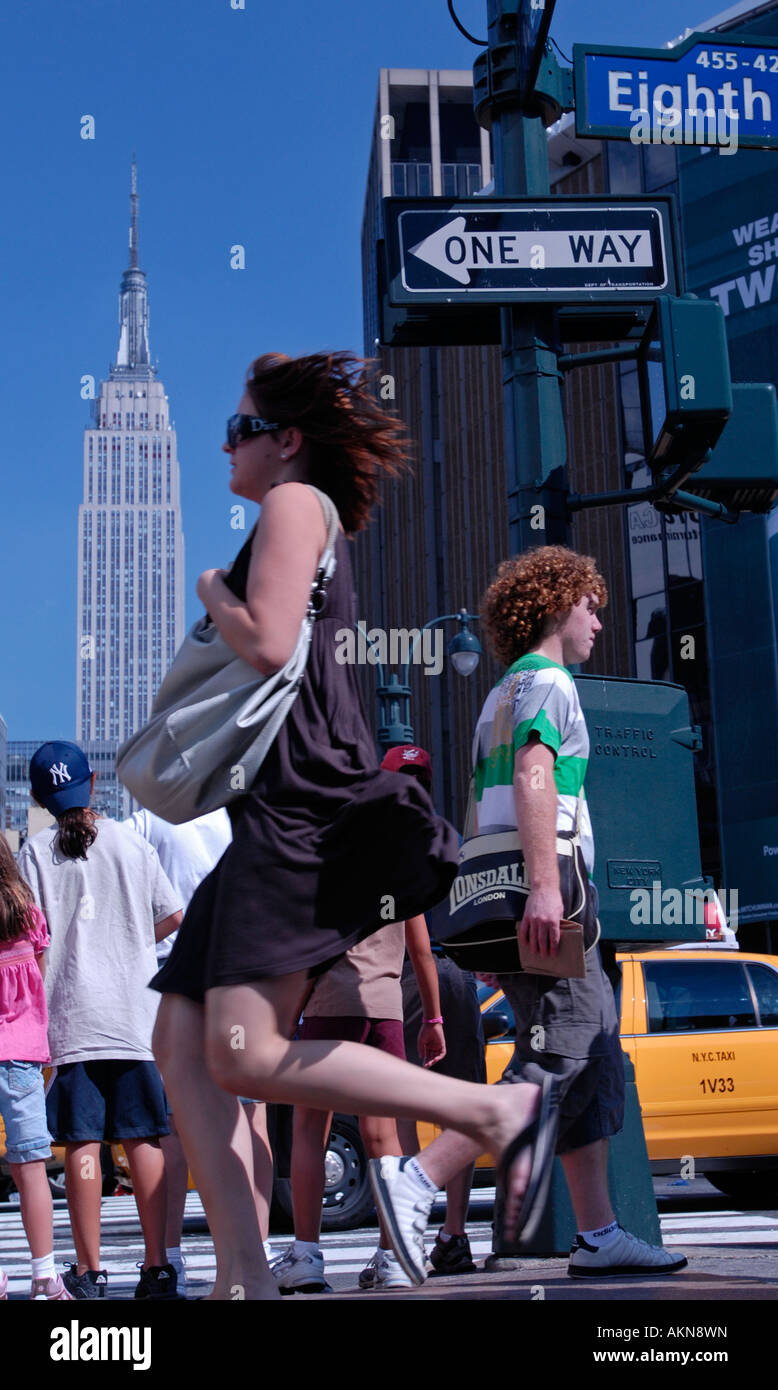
130 539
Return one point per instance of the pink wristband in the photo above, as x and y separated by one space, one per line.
433 1020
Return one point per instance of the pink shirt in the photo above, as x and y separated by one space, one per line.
24 1018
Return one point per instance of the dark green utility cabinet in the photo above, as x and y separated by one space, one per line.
640 790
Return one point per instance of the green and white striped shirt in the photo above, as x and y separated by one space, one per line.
536 697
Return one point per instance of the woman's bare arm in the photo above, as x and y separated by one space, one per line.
285 553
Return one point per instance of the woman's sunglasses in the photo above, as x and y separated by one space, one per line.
240 427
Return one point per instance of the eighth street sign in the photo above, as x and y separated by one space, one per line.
503 250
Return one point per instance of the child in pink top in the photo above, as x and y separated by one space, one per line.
23 1050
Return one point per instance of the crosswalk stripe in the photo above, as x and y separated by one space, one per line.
346 1252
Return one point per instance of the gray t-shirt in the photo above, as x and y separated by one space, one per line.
101 912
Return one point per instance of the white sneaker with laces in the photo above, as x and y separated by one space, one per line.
384 1271
621 1257
300 1272
404 1208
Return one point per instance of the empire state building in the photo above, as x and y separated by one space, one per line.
130 542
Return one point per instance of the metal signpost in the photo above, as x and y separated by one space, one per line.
711 89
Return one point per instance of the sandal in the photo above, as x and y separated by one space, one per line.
541 1136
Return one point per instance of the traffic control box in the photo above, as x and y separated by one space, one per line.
641 798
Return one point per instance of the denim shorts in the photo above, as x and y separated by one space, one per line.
23 1108
106 1100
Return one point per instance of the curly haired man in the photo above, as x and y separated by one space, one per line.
530 751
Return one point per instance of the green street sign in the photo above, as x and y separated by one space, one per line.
712 89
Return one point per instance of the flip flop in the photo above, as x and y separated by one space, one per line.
541 1136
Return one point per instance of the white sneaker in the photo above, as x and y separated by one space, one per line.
384 1271
622 1256
300 1273
404 1209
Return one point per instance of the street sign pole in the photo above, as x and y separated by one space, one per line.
535 445
536 454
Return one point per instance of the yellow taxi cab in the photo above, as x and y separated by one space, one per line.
701 1028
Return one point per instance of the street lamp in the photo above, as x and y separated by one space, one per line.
464 650
394 695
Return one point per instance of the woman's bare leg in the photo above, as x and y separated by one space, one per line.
262 1163
176 1179
217 1142
260 1018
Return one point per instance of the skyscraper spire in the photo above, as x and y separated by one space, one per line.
133 358
134 215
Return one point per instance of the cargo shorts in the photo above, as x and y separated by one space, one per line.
569 1029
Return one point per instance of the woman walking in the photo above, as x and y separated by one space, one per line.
323 841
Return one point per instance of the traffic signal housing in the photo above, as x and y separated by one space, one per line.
742 471
697 387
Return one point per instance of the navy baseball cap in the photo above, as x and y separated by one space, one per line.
60 776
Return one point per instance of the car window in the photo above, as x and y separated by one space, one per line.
687 996
765 982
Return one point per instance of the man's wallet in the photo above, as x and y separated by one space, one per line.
568 964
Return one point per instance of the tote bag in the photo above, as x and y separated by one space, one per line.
215 716
490 892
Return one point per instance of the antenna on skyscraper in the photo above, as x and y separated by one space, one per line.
134 215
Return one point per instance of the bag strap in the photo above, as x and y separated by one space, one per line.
330 516
326 568
596 939
469 831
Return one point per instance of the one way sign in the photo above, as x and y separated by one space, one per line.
483 250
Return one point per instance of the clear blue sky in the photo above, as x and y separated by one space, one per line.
250 126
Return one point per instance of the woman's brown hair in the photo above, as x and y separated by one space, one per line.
16 897
77 831
330 397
